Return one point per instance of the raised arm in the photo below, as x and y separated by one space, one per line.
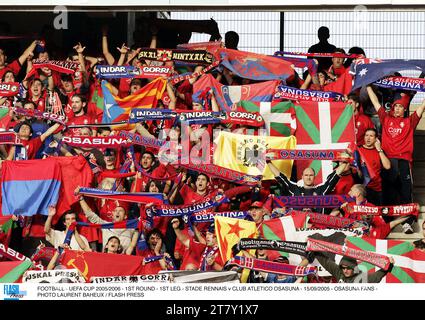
182 238
133 243
105 49
373 98
49 132
48 223
420 109
386 163
28 51
123 50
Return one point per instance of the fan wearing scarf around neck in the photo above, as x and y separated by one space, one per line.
203 254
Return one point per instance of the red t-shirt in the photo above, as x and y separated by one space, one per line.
397 135
14 66
84 119
372 158
32 147
194 253
361 123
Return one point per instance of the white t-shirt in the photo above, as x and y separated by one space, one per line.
57 238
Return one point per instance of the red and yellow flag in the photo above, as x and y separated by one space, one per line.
117 109
229 231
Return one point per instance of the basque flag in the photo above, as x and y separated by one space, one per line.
30 187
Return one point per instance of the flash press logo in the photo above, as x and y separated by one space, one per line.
12 292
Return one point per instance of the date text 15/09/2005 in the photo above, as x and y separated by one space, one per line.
213 309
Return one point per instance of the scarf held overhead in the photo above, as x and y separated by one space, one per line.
376 259
191 56
287 246
392 211
95 142
330 201
137 197
272 267
119 72
334 155
289 93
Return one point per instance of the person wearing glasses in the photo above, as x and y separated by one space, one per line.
348 272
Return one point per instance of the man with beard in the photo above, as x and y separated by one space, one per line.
79 105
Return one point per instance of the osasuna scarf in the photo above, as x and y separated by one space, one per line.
335 222
367 256
192 56
140 114
13 255
209 216
330 201
126 224
143 141
9 89
326 55
310 64
223 173
253 119
402 83
200 117
39 115
283 154
290 93
272 267
9 138
169 262
120 72
176 211
392 211
187 76
68 67
95 142
287 246
137 197
208 252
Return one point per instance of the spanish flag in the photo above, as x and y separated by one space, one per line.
117 109
246 153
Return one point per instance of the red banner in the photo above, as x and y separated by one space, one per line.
94 264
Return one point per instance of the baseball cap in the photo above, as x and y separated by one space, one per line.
257 204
